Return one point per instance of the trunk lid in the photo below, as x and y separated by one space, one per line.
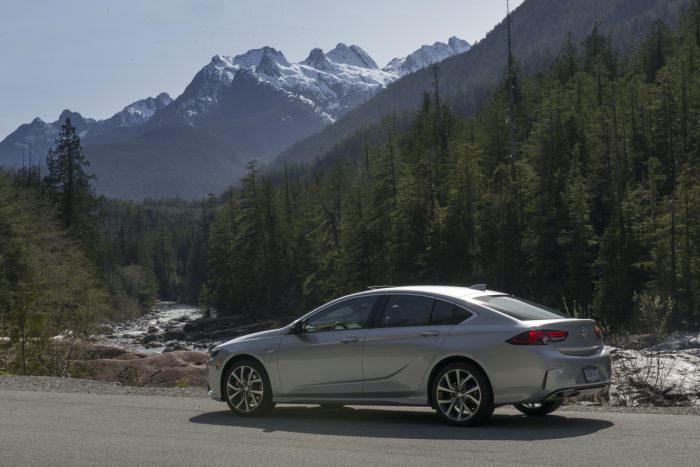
581 340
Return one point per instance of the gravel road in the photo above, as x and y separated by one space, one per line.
49 422
88 386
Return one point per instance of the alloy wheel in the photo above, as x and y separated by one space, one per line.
458 395
245 389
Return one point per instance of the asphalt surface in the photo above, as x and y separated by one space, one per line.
89 429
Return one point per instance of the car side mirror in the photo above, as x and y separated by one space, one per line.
298 327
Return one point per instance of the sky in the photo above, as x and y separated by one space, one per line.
97 56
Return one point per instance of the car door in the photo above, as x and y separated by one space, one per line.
326 357
397 352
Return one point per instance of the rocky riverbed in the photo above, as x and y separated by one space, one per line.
175 327
167 347
158 331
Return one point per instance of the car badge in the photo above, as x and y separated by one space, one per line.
584 332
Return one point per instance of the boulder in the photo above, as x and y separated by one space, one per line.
164 369
173 333
149 338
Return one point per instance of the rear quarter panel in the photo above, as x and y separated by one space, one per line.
516 373
509 370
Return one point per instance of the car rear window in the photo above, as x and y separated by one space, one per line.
519 308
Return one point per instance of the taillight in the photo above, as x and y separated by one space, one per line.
538 337
598 333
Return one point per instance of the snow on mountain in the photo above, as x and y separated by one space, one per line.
329 84
426 56
39 135
352 55
236 108
142 110
332 83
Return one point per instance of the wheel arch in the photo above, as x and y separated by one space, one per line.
237 358
448 361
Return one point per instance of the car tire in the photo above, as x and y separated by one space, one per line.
246 388
462 394
539 409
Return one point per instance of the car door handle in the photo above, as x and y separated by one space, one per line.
347 340
430 333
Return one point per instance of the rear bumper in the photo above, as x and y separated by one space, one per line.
538 374
577 391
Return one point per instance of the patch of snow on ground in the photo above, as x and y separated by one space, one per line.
667 374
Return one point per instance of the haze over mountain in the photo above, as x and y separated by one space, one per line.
35 138
237 108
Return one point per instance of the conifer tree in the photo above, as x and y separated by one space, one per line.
69 185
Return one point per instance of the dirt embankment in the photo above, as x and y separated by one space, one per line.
170 369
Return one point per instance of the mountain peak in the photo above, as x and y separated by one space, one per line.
67 113
164 98
352 55
219 61
315 55
458 45
427 55
141 110
253 57
317 59
75 118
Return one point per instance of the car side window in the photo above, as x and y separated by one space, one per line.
407 310
448 313
348 314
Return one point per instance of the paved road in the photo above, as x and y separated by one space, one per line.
87 429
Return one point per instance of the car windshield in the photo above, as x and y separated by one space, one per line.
519 308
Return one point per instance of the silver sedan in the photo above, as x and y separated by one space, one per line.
461 350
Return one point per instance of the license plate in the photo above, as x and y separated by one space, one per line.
591 374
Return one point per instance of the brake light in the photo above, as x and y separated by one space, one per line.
538 337
598 333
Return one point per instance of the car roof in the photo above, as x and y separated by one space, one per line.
443 290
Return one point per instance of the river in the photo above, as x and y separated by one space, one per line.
155 332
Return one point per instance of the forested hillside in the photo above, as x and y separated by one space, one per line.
577 187
69 259
467 80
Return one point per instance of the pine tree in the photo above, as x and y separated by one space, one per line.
69 184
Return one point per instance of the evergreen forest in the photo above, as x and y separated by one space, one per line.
577 187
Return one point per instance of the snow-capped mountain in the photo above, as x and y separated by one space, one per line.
328 83
235 109
427 55
140 111
38 136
